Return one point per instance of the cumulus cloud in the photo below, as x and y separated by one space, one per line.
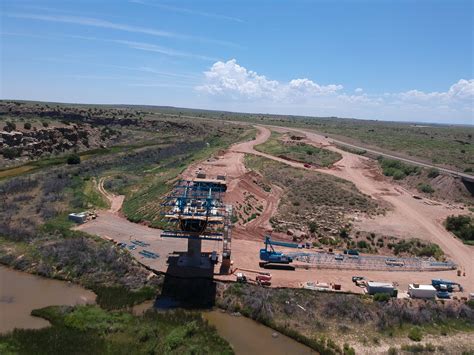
231 81
230 78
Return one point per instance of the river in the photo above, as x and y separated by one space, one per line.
245 335
21 292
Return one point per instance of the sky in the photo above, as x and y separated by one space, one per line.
387 60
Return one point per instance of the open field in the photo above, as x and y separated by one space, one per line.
343 200
443 145
291 148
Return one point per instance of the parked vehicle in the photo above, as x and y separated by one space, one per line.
421 291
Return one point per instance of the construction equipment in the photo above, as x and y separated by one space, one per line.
241 277
263 280
437 283
196 212
270 256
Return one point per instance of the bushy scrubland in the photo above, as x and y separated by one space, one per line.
92 330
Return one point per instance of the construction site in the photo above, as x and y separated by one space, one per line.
201 239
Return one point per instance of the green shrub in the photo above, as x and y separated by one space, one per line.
73 159
45 124
362 244
397 169
27 125
415 334
343 233
426 188
381 297
10 153
462 226
433 172
10 126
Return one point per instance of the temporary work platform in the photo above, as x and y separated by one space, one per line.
198 213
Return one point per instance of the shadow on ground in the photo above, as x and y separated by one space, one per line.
186 287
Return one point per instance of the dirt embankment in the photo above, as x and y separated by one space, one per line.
408 217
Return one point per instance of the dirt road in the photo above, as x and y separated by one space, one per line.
115 201
408 217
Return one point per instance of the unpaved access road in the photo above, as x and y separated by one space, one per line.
409 217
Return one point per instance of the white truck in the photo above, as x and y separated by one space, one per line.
421 291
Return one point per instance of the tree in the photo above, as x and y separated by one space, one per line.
27 125
11 126
10 153
74 159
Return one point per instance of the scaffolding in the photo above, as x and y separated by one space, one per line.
197 213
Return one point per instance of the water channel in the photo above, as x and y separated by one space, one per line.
20 293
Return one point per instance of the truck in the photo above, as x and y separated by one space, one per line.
421 291
351 252
380 287
263 280
437 283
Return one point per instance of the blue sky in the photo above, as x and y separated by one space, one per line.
389 60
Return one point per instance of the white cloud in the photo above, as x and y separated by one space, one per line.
188 11
94 22
228 82
229 78
149 47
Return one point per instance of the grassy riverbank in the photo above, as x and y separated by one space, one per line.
92 330
334 323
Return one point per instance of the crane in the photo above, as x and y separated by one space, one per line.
270 256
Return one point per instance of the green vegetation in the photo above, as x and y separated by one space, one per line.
426 188
462 226
10 152
295 150
433 172
141 204
381 297
92 330
10 126
351 149
415 334
315 194
73 159
118 297
397 169
418 248
27 125
419 348
327 320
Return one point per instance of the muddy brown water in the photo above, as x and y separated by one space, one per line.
246 336
20 293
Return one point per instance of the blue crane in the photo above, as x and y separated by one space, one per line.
270 256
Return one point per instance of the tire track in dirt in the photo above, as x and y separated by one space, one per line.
115 201
407 218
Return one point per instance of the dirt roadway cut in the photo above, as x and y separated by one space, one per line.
408 218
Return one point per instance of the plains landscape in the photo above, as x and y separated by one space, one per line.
236 177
